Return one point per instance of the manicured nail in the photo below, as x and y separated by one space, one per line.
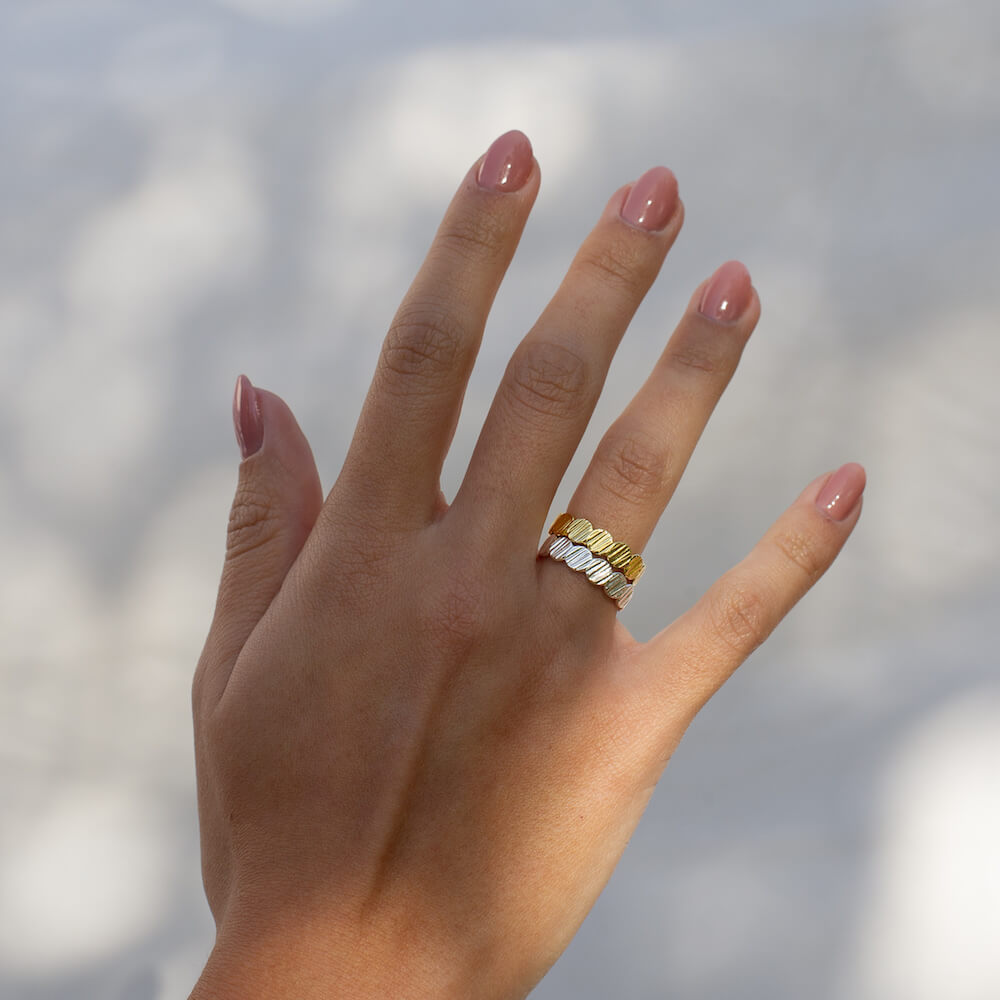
247 418
727 293
841 492
652 200
507 163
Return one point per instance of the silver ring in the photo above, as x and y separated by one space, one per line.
597 570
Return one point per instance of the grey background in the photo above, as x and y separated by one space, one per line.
193 189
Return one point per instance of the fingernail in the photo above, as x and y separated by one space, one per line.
652 200
727 293
841 492
247 418
507 163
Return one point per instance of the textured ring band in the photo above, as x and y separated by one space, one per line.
597 569
581 532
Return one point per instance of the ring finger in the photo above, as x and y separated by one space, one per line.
639 461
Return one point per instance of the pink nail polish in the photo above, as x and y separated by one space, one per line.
507 163
652 201
841 492
727 293
247 418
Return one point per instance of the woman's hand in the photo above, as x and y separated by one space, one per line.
421 748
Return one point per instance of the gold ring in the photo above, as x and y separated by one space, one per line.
581 532
607 564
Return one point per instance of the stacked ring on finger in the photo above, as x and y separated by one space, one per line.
592 551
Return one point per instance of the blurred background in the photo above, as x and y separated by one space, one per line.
191 189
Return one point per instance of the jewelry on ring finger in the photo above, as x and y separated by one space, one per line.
608 564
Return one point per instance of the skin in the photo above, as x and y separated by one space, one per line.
421 749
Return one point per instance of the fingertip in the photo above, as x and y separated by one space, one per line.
652 200
837 496
508 164
728 296
247 420
280 430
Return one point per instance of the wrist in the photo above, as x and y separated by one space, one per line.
277 965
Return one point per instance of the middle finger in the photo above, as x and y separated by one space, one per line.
553 380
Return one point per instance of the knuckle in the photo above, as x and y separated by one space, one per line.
713 352
457 616
367 552
254 521
477 237
692 358
801 551
422 345
204 682
198 685
546 378
738 618
618 263
632 467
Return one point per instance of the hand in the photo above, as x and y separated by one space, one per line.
421 749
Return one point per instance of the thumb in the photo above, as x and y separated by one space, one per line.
278 498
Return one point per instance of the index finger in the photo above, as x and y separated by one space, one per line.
394 462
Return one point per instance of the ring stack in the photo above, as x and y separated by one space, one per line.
607 564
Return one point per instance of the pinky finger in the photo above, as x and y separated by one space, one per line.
690 660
